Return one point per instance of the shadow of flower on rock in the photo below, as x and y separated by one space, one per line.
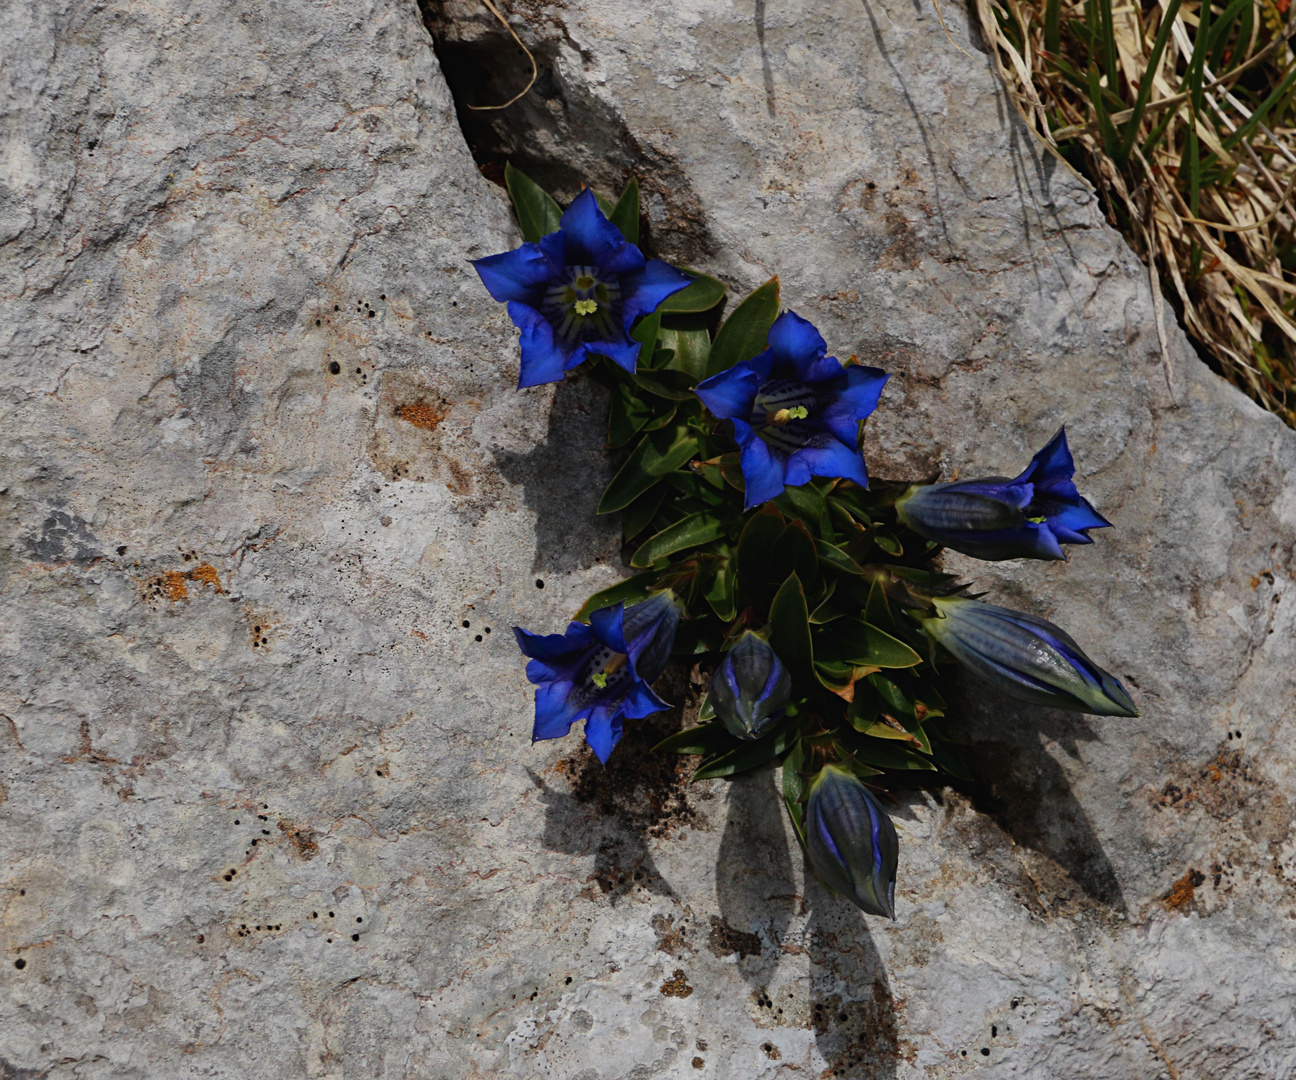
852 1009
756 889
1020 782
613 811
563 478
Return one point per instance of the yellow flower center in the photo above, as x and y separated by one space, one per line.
585 307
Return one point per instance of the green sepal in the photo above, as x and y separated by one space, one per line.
693 531
537 213
702 295
746 331
631 590
657 454
625 215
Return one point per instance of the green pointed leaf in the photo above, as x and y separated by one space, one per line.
721 593
627 413
758 537
692 349
744 333
665 383
949 760
625 215
646 331
790 632
639 514
888 543
884 754
747 755
664 417
794 552
805 502
793 786
537 214
657 454
859 643
629 591
693 531
702 295
710 738
838 560
605 204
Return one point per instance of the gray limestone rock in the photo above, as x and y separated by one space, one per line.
271 505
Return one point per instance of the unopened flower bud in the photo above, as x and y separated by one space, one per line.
751 687
852 844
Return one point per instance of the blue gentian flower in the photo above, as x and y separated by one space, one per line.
1025 657
577 292
751 687
600 672
851 841
995 518
795 410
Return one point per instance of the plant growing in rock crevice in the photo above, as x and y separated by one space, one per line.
762 548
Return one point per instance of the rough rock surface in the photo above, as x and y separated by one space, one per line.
270 504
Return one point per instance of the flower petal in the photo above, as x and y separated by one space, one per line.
834 459
554 713
544 357
608 626
763 468
1052 466
521 274
732 393
624 354
854 403
641 701
794 340
553 647
602 733
643 292
592 240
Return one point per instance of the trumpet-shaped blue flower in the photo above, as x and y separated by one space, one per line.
995 518
751 687
576 293
851 841
600 672
795 410
1026 657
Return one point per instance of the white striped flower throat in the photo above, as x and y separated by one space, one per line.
783 414
583 305
604 672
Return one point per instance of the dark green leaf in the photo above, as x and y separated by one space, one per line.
605 204
702 295
657 454
793 786
888 543
538 215
747 755
672 385
794 552
744 333
693 531
758 537
692 348
790 632
631 590
721 593
883 754
858 643
837 559
627 413
646 331
703 739
805 502
625 215
664 416
949 760
640 513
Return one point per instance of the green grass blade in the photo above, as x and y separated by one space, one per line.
625 215
1145 87
1280 92
1053 27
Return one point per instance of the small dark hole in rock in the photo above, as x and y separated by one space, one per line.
121 550
317 322
466 624
539 584
359 918
994 1031
202 938
357 371
355 937
20 963
985 1051
335 368
477 637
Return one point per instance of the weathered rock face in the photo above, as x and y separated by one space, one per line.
271 506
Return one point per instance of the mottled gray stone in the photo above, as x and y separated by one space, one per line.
269 807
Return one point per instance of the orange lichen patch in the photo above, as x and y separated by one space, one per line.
174 587
1183 891
676 986
422 415
206 574
302 840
